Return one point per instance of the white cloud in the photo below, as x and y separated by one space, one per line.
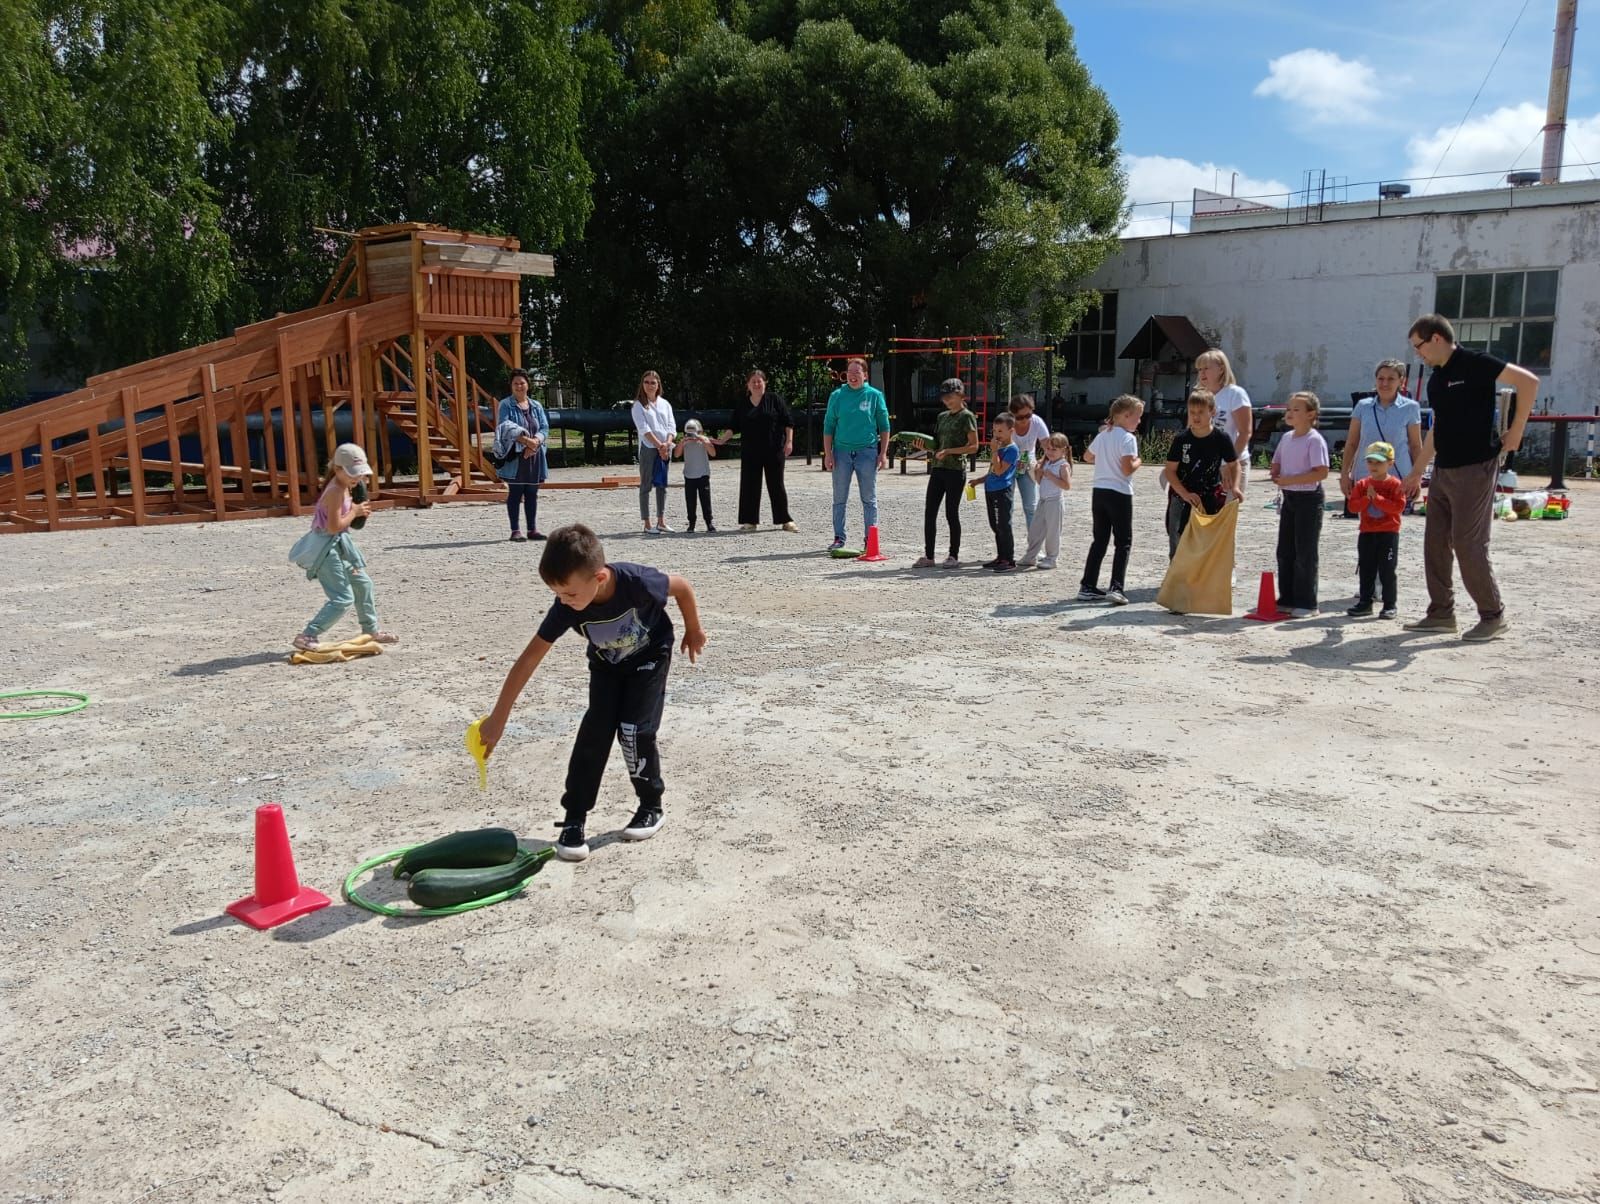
1156 181
1325 88
1495 143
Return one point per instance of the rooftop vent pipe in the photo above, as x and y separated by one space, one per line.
1555 117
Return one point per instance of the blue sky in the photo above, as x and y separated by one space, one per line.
1368 90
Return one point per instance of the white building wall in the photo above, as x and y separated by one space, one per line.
1316 306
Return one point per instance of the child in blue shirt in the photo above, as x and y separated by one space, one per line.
998 487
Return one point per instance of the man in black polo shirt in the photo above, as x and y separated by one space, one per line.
1465 449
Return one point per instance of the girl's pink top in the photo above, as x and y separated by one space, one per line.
319 518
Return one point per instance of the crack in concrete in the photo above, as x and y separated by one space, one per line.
555 1168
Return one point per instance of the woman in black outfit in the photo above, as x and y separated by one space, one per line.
766 439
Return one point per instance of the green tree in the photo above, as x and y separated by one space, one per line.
110 238
820 173
350 113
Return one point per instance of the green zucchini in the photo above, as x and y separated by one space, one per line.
450 887
845 553
460 851
358 495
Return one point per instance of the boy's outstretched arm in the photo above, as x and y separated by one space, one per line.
694 636
494 724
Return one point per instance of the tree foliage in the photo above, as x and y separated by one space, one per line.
110 235
824 173
729 181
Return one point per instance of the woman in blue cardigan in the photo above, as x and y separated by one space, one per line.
525 467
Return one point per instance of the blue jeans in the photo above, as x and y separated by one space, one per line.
863 465
344 584
1028 491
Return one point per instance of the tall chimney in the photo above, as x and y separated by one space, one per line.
1555 117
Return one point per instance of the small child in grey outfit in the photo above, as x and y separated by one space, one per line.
696 450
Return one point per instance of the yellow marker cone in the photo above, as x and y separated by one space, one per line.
480 754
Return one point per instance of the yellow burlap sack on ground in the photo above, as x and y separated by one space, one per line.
1199 580
332 654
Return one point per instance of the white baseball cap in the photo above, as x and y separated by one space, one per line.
352 459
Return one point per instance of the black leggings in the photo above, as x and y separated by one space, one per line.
944 488
1112 511
1376 554
697 487
527 495
753 467
1299 531
624 705
999 503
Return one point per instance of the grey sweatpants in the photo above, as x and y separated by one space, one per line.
1045 529
1460 519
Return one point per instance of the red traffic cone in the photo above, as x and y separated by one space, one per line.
872 552
1266 610
279 896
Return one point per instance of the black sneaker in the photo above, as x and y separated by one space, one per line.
536 536
571 844
990 564
646 822
1090 593
710 530
1360 610
1005 566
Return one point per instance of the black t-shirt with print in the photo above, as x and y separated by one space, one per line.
1200 459
1461 392
629 628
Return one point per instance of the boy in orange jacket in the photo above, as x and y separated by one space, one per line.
1379 499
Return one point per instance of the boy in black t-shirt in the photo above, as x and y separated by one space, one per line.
621 609
1202 468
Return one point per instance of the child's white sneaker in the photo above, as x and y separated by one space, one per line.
572 844
1046 563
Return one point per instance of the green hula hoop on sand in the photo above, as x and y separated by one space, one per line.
82 700
383 909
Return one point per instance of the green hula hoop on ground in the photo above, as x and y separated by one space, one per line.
383 909
50 713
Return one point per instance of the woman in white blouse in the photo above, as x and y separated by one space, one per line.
1030 429
1235 418
658 429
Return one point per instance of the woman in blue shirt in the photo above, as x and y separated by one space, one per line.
1388 418
526 468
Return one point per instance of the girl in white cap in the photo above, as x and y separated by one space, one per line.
329 554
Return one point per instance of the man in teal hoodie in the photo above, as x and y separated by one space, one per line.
855 442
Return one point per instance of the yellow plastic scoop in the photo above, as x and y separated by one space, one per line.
480 754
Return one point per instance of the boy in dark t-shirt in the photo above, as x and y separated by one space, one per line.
621 609
1202 468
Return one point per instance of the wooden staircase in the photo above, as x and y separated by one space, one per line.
243 426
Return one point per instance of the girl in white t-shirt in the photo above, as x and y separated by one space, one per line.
1030 429
1052 472
1235 418
1115 456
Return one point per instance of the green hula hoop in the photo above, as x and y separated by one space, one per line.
50 713
351 895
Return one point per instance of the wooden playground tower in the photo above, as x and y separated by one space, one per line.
261 410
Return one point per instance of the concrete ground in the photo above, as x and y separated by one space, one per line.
967 892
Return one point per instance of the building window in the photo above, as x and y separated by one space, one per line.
1090 348
1511 315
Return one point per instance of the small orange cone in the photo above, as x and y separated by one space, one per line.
872 552
279 896
1266 610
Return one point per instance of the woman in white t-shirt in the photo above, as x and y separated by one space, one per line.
658 430
1235 418
1030 429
